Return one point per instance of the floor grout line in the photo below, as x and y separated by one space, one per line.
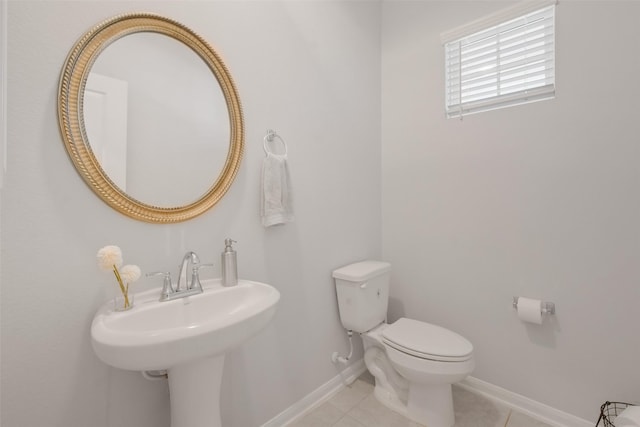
508 417
348 415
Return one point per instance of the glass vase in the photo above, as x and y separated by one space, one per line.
122 303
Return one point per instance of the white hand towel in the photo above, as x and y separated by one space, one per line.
276 207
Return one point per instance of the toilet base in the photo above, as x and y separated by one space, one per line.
390 400
431 405
428 399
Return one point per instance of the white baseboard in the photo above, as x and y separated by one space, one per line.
534 409
317 397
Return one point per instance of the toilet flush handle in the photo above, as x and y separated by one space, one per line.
364 285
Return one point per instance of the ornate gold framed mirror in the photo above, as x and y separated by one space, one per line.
161 141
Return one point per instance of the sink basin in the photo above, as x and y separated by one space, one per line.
157 335
187 337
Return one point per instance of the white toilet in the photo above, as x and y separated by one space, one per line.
414 363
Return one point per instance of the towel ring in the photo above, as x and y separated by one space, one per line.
269 137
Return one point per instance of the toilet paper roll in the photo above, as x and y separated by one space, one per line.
530 310
630 417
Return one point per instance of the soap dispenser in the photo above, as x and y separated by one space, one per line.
229 264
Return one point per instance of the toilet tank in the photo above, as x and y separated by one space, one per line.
363 294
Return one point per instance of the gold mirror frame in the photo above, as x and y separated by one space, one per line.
70 115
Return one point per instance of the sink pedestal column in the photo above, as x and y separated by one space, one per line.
195 393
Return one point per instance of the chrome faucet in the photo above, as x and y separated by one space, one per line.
189 262
184 287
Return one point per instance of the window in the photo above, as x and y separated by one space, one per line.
502 60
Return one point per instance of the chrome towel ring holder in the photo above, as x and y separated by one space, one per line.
269 137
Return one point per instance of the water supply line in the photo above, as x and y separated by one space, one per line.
335 357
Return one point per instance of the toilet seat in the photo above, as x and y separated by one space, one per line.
427 341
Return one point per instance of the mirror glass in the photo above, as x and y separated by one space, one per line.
156 119
150 118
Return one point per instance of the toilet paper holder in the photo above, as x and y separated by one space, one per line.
545 306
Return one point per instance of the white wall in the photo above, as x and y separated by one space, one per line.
3 88
3 133
474 212
539 200
309 70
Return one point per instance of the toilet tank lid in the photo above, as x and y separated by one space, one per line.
362 271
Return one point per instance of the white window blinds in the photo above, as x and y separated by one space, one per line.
508 63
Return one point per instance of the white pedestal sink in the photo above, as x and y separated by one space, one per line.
188 337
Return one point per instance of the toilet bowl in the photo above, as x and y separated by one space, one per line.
414 376
414 363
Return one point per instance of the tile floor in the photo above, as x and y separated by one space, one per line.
356 406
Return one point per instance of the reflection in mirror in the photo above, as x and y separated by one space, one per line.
156 119
150 118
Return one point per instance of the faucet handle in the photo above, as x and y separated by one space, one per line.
198 266
195 274
167 287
